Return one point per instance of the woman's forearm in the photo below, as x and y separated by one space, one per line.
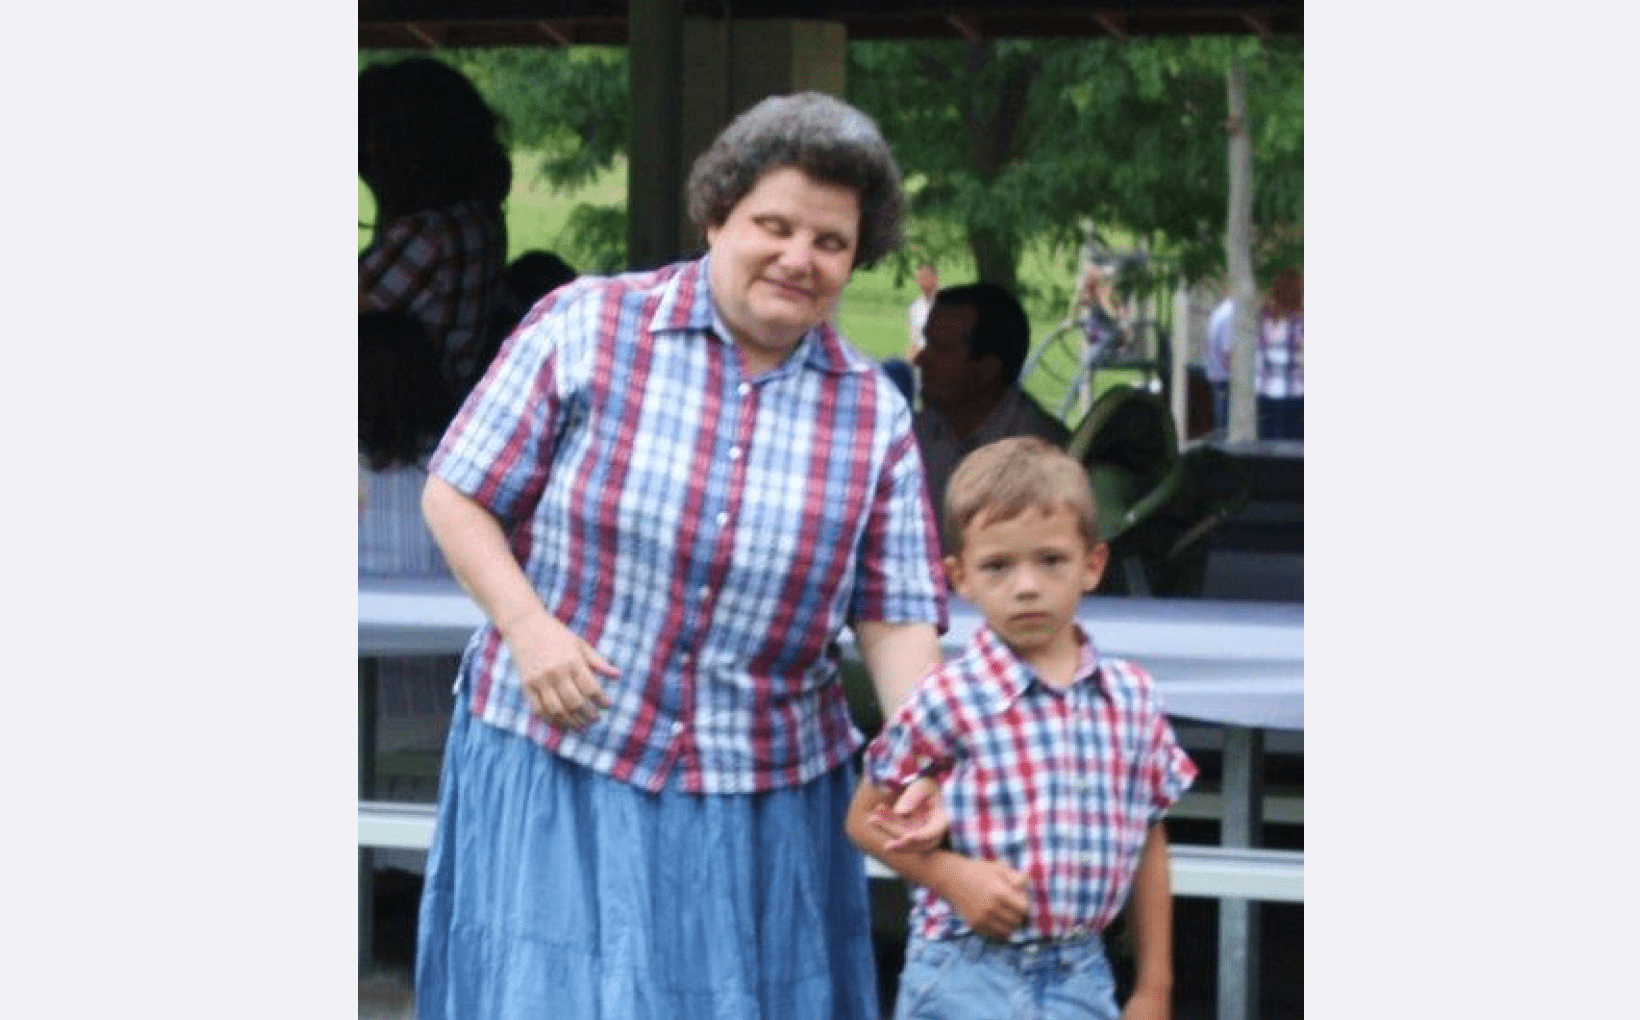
476 549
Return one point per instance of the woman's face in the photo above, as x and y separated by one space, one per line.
780 261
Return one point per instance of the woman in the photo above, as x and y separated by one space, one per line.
1279 381
669 494
429 151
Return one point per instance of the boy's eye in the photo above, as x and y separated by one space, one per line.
992 566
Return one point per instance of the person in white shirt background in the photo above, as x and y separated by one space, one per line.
928 281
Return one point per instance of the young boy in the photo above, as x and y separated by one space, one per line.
1056 767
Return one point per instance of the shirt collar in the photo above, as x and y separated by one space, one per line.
1007 678
686 306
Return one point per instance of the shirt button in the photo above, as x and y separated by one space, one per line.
743 389
734 453
677 728
686 658
723 518
705 590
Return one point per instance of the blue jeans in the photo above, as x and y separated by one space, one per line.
975 977
1281 418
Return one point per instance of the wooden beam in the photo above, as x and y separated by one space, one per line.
552 33
1113 24
1258 24
423 34
964 29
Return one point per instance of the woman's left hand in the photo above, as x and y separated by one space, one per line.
917 823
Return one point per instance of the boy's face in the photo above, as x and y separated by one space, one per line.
1027 575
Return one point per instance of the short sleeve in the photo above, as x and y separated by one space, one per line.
499 448
919 739
898 574
1166 771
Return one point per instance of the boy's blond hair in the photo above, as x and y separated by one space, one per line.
1004 479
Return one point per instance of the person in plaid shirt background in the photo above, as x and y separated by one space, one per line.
669 493
1279 378
431 154
1057 766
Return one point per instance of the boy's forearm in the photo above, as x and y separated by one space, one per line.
1150 909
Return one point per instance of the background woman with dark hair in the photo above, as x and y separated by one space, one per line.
430 152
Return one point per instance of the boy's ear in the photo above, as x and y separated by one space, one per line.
953 574
1098 557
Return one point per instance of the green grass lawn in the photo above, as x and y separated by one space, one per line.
873 312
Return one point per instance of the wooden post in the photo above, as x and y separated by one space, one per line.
1243 824
655 176
1181 363
1238 252
367 790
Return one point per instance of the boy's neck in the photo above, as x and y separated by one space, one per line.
1056 663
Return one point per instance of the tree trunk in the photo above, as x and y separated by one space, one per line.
996 258
1238 252
993 125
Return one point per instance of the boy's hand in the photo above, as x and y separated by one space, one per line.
918 822
1146 1004
989 895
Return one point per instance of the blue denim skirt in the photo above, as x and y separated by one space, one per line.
555 891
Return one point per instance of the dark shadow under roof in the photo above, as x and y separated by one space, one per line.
425 24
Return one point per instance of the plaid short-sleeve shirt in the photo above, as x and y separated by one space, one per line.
442 266
1061 785
1280 356
708 531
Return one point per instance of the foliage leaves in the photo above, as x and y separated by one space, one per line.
1020 139
1002 141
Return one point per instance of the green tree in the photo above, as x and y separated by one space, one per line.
1022 139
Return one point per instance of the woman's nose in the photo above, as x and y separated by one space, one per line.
795 254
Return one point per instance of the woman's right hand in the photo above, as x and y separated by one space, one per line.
556 669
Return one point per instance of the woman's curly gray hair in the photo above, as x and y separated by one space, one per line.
818 134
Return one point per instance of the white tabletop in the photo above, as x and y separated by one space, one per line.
1239 663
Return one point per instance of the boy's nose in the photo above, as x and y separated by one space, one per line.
1026 581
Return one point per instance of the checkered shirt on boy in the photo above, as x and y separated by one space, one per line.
1061 785
710 533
